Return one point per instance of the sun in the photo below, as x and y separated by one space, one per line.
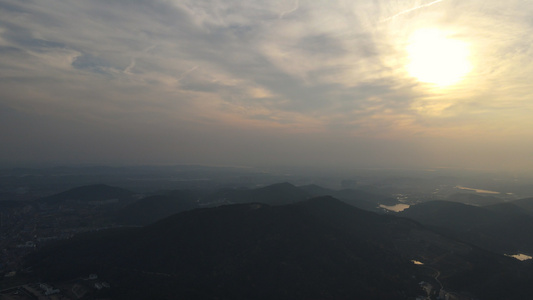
434 58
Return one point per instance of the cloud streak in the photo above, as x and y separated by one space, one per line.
411 10
295 8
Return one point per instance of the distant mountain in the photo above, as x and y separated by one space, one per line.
316 190
520 206
358 198
157 207
275 194
526 204
503 231
321 248
508 208
97 193
153 208
453 215
474 199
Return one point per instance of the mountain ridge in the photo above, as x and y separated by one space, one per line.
321 248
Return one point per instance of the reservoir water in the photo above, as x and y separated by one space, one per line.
395 208
520 256
477 190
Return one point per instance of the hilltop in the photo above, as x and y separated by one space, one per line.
320 248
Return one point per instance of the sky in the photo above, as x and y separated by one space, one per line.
362 84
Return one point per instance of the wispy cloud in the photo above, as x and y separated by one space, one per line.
295 8
184 74
403 12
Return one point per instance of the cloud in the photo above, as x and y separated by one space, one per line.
224 40
330 67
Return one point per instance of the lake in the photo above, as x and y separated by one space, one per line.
519 256
395 208
477 190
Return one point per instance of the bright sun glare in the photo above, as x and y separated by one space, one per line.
437 59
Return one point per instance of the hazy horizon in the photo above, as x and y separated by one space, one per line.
336 84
